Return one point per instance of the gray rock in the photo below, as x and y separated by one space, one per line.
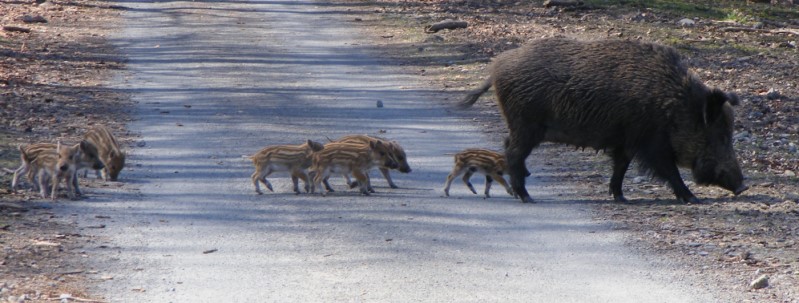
33 19
742 136
760 282
685 22
772 94
379 104
141 143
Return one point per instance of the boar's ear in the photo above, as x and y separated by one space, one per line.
714 105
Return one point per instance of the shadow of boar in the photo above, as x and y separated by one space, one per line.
635 100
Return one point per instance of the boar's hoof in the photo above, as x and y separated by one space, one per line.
620 199
527 199
692 200
740 189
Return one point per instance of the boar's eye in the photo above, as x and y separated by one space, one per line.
400 158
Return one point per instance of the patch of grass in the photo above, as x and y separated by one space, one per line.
702 9
731 10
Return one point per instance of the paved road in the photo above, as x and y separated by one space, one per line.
215 80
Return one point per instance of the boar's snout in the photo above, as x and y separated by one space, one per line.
64 167
727 175
405 168
740 189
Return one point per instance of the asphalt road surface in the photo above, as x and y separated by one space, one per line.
215 80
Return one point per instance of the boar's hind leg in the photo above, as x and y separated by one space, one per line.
296 176
456 171
467 177
519 145
621 161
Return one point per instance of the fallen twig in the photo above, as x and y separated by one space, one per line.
77 299
10 28
446 24
563 3
760 30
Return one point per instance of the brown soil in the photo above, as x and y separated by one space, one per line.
50 89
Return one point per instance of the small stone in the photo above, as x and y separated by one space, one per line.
686 22
789 173
141 143
638 180
379 104
760 282
33 19
703 253
742 136
772 94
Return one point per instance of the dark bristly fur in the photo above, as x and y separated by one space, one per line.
637 100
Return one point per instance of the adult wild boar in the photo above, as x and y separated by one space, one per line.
635 100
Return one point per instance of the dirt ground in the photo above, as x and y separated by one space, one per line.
51 74
50 89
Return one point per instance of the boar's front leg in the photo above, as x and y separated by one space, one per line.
659 157
387 175
489 180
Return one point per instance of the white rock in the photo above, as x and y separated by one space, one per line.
760 282
686 22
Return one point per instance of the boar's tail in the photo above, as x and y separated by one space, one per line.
475 94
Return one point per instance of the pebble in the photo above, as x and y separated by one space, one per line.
686 22
760 282
772 94
742 135
789 173
379 104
